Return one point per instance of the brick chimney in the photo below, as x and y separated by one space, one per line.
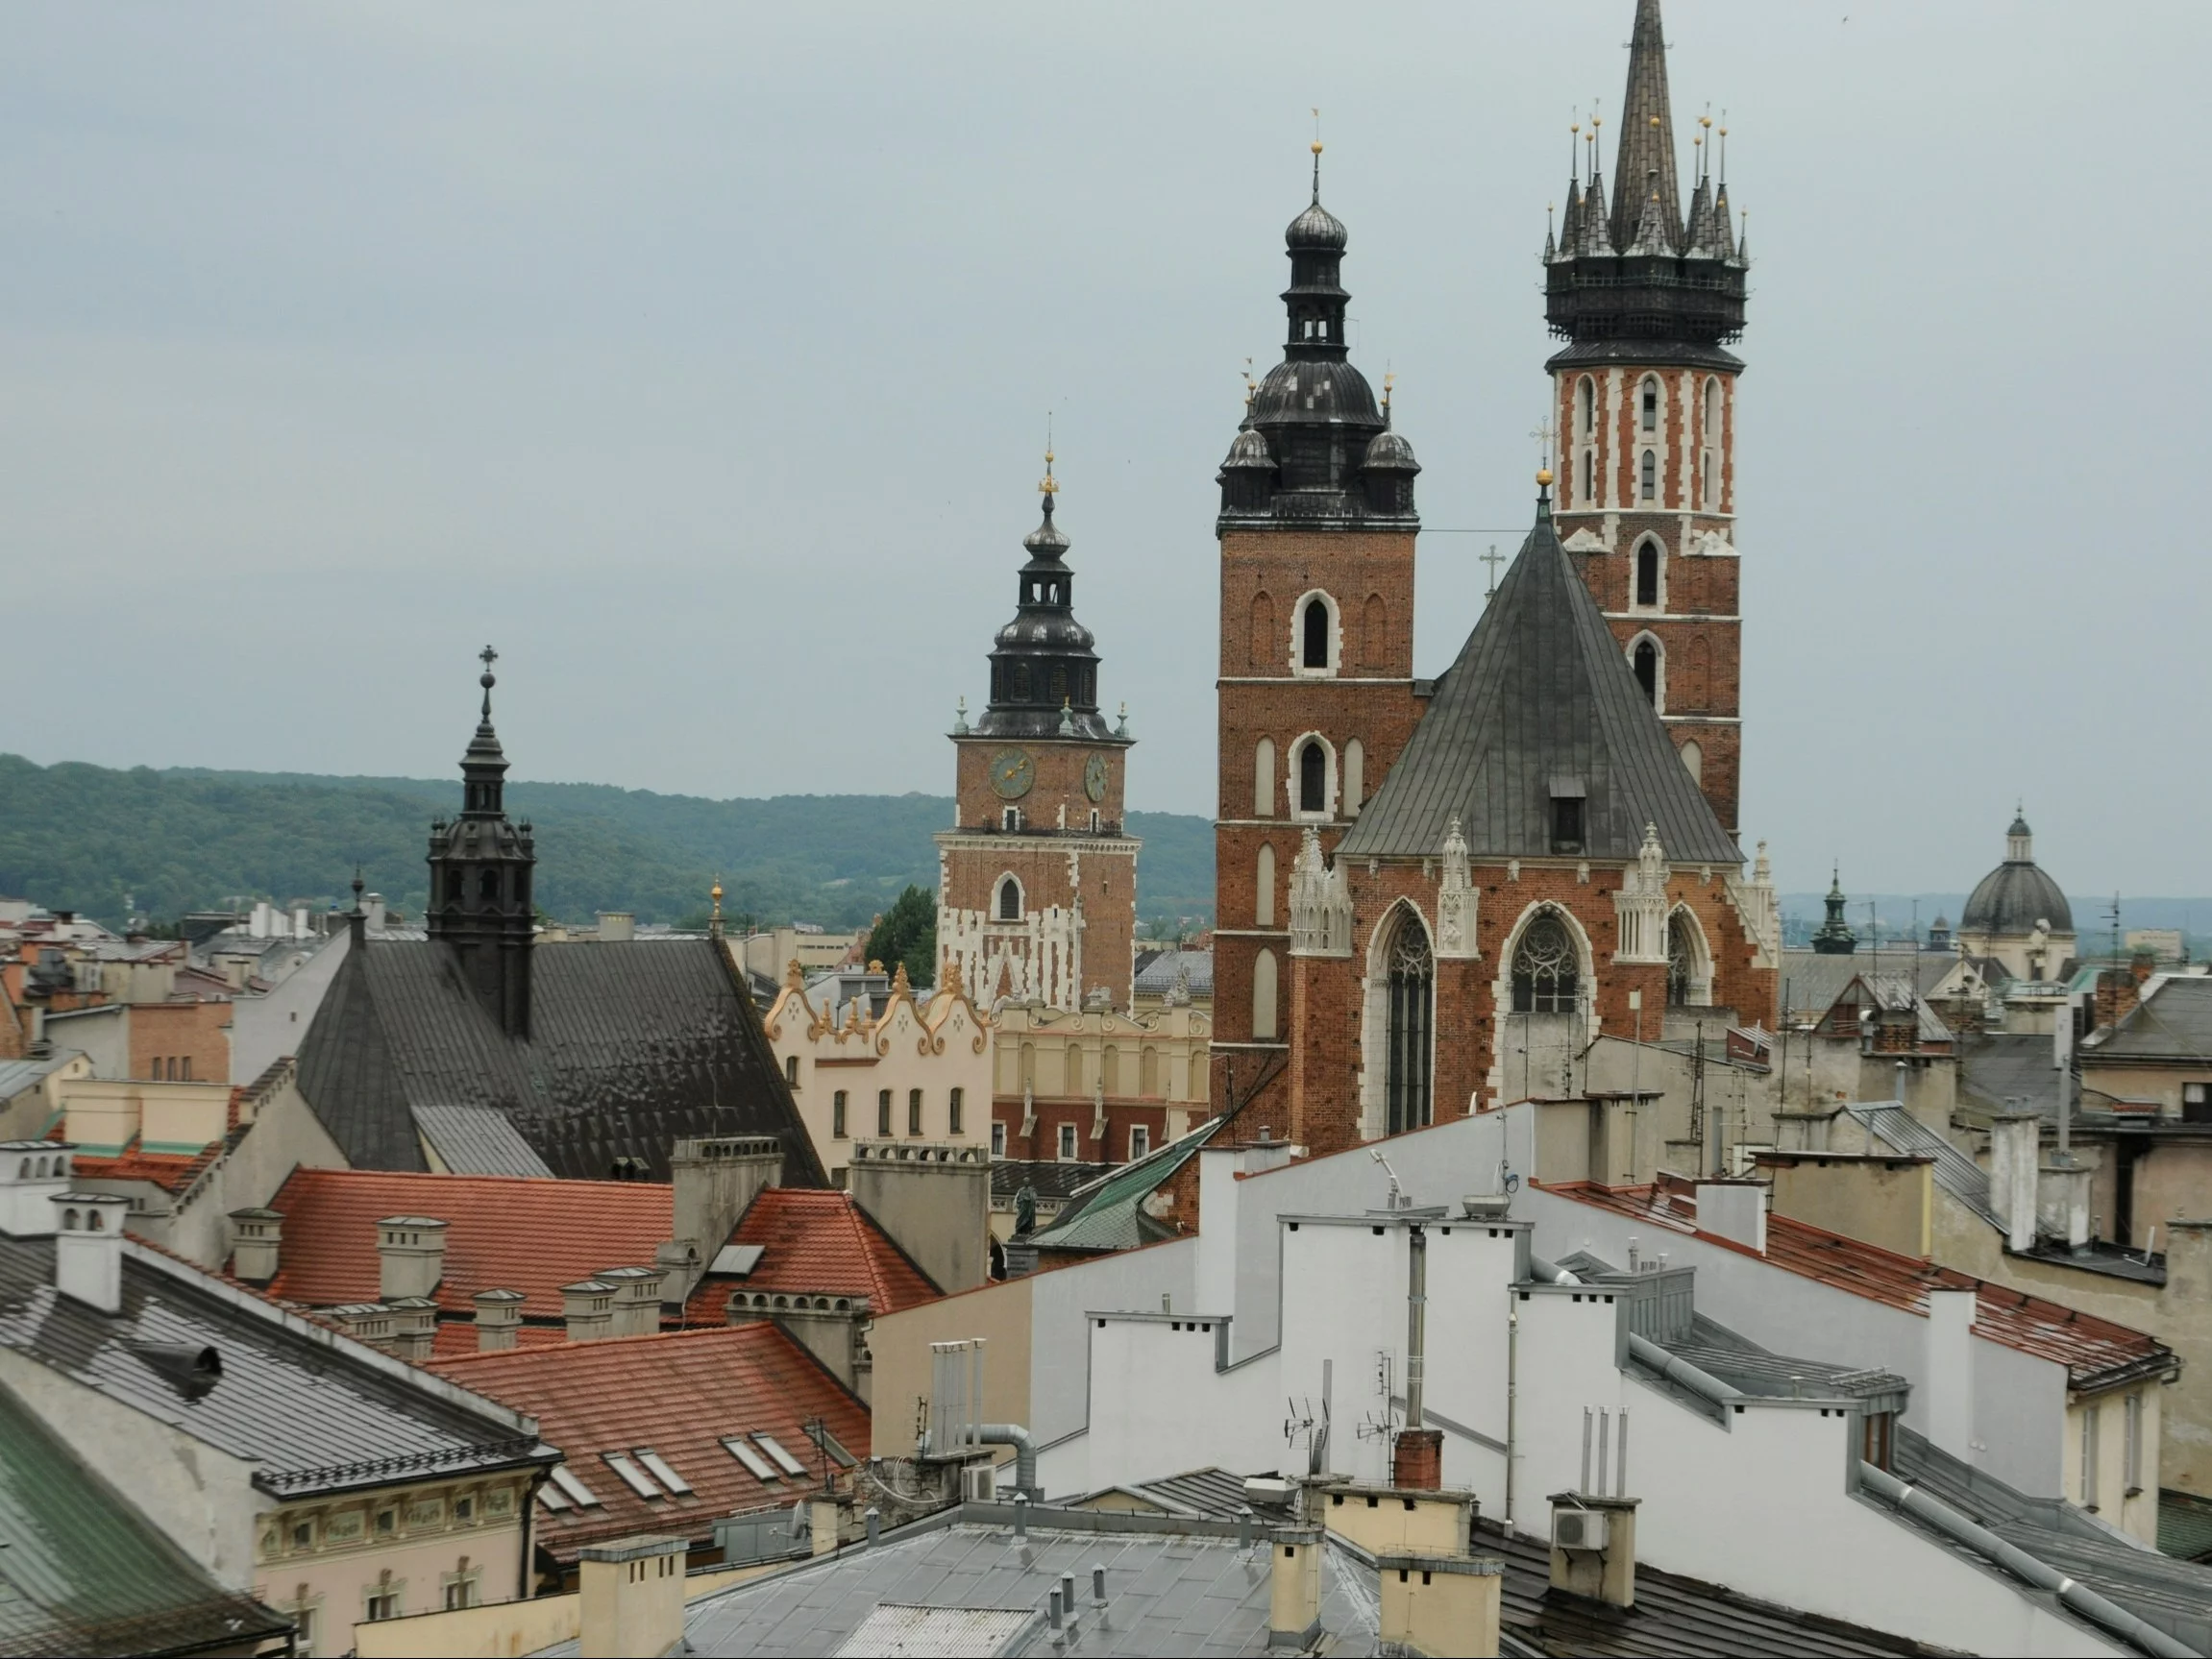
88 1247
1417 1460
630 1597
410 1255
588 1306
32 1174
257 1244
636 1309
933 1198
1294 1596
499 1319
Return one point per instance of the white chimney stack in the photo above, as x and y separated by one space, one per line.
88 1247
32 1174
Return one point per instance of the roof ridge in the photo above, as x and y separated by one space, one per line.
761 1330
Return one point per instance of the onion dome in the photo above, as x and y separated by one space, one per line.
1315 228
1250 449
1044 668
2018 895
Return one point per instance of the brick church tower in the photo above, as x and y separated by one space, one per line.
1649 297
1315 695
1037 882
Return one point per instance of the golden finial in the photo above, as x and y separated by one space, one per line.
1705 120
715 892
1655 120
1251 387
1048 485
1543 477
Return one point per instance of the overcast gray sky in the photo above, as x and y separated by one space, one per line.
699 357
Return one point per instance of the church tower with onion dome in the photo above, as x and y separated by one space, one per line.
1036 880
1316 693
1649 295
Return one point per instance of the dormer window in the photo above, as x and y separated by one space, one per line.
1566 801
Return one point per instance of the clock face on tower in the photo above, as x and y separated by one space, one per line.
1094 778
1012 773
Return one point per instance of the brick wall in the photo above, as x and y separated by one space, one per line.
167 1034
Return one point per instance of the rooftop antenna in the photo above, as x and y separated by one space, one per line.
1397 1192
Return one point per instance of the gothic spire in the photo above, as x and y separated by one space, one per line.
1647 133
1044 668
484 764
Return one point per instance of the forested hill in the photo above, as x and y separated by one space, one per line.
87 838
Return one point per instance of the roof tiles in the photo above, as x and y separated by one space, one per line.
677 1395
816 1243
502 1232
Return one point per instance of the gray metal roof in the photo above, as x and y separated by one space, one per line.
82 1572
308 1408
18 1075
1172 1587
1812 981
1742 1362
2009 1071
632 1046
477 1140
2013 898
1156 971
2174 1596
1540 693
1955 1173
2174 1022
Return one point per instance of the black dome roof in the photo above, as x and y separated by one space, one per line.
1315 228
1327 391
2013 897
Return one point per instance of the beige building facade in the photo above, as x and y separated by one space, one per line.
908 1070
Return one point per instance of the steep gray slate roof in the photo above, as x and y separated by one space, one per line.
477 1140
1540 690
632 1046
315 1412
2174 1022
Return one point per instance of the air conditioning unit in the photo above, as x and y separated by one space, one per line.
978 1483
1579 1528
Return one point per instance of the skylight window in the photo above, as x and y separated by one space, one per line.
551 1497
838 1454
750 1458
789 1464
573 1489
657 1466
632 1477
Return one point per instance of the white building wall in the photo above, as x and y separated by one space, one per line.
1131 1282
2020 1401
265 1029
1158 1404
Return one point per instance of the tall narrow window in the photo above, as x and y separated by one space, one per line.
1709 466
1647 484
1589 494
952 1113
2132 1464
1650 404
1567 823
1647 575
1261 645
1355 775
914 1111
998 1140
791 1070
1681 961
1264 779
1312 779
1647 671
1694 758
1545 971
1264 997
1409 1056
1139 1141
1585 408
1009 899
883 1113
1066 1144
1263 886
1374 634
837 1116
1313 635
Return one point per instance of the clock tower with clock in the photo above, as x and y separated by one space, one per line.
1037 879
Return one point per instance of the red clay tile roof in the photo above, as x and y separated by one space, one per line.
457 1338
816 1243
502 1232
171 1172
2095 1352
676 1395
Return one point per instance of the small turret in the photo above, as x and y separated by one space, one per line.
1834 937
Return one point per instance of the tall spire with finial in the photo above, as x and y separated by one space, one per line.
482 864
1647 134
1044 668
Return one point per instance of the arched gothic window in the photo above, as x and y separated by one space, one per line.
1264 997
1312 779
1545 967
1009 900
1647 575
1408 1058
1693 757
1647 484
1681 961
1313 635
1651 404
1585 408
1264 779
488 884
1647 671
1264 886
1590 476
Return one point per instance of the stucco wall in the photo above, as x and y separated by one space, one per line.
265 1029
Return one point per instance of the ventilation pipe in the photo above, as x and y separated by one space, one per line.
1542 1272
1417 1461
955 1402
1908 1500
